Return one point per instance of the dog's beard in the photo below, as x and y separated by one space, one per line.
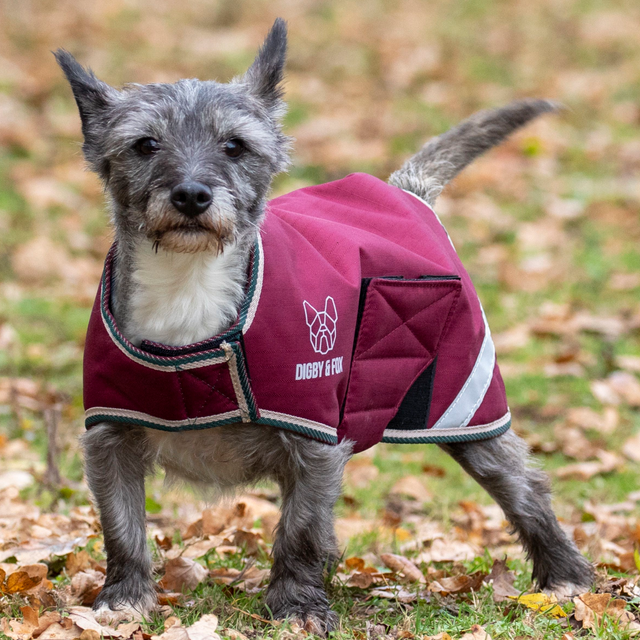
211 231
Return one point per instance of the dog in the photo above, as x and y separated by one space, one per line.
187 168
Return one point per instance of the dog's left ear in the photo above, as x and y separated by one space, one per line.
264 77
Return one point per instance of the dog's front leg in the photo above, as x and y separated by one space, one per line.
305 541
116 460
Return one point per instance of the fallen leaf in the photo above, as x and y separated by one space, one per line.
181 573
355 564
631 448
86 619
476 633
361 580
204 629
400 564
607 463
412 487
249 579
542 602
447 551
86 585
503 580
457 584
586 418
58 631
360 472
394 593
25 578
202 547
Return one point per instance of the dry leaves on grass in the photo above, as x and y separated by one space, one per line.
502 580
203 629
400 564
591 607
606 463
182 573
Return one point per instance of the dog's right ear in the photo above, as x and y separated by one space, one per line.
93 96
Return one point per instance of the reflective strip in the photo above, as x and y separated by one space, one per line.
464 407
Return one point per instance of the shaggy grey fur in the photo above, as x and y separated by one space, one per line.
444 157
193 123
500 466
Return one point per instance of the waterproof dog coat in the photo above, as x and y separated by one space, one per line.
359 322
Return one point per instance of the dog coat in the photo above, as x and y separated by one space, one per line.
359 322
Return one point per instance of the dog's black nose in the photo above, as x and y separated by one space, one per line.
191 198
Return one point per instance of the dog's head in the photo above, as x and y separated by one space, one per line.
188 165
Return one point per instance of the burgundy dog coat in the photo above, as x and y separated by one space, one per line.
359 322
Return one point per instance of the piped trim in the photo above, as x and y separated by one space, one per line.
104 414
459 434
194 355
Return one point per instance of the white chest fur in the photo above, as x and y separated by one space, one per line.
181 298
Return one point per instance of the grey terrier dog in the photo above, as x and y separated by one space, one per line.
187 168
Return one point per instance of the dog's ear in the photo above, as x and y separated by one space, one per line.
330 308
310 313
94 99
92 96
264 77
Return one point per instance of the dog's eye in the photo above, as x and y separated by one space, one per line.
147 146
234 148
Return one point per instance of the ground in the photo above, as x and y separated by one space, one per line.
548 226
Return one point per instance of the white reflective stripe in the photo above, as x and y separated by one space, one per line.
464 407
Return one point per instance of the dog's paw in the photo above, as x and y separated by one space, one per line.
110 617
112 606
567 590
319 625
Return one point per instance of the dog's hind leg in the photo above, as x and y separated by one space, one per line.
500 466
305 541
116 461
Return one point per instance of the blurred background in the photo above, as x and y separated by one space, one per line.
548 225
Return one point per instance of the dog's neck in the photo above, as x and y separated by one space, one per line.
177 298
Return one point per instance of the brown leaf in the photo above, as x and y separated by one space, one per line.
79 561
85 618
21 580
204 629
86 586
249 579
607 463
586 418
476 633
400 564
355 564
503 580
631 448
44 623
360 472
58 631
394 593
182 573
412 487
202 547
457 584
361 580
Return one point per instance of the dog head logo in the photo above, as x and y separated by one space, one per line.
322 325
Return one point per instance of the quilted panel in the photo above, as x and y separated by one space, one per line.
400 330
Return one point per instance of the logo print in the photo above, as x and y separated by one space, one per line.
322 325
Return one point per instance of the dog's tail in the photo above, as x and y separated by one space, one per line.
443 158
